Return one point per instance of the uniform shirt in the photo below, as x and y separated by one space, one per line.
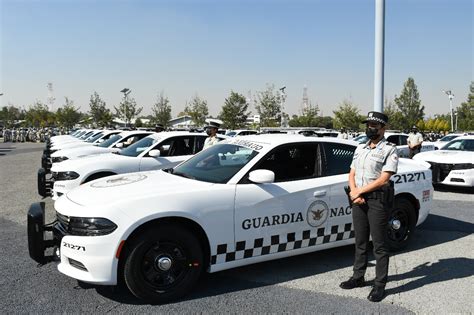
370 163
414 138
210 141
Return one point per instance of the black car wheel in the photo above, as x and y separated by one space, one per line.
163 264
401 224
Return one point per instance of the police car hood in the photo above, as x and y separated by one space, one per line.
82 151
446 156
133 186
95 161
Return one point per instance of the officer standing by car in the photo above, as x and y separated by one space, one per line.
371 195
211 130
414 141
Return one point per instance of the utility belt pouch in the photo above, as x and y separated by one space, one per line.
388 194
347 189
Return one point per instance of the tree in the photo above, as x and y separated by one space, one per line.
100 114
234 111
9 114
466 112
67 115
409 104
394 115
347 116
309 117
38 115
198 110
268 106
161 110
128 109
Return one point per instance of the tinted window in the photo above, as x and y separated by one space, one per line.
291 162
394 139
337 158
176 146
460 144
139 146
109 142
128 141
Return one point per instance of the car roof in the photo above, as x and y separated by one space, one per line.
470 137
168 134
134 132
278 139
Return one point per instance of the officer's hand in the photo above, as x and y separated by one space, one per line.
359 201
355 193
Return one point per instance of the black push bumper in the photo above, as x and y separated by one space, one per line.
45 183
46 162
37 231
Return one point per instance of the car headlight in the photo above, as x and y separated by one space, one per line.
463 166
79 226
58 159
65 175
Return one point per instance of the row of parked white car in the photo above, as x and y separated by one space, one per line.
154 210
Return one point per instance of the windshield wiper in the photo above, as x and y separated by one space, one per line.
184 175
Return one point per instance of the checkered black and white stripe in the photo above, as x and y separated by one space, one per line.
281 243
376 119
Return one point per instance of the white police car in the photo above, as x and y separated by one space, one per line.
453 164
156 151
400 140
95 139
242 201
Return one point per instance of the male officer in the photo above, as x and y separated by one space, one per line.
211 130
372 165
414 141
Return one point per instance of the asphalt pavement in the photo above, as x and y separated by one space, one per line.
434 274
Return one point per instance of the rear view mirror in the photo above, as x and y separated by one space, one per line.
262 176
154 153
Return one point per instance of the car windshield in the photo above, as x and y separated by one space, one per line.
139 146
86 135
460 145
217 164
361 139
231 134
111 141
448 138
97 136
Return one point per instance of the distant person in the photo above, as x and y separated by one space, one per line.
211 130
159 128
415 139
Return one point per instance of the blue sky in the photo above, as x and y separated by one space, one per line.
209 48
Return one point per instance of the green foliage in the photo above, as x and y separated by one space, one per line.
269 107
395 117
198 110
100 114
138 123
38 115
67 115
9 114
308 118
128 110
409 104
466 112
161 111
347 116
234 111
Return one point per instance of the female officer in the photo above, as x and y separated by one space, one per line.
372 166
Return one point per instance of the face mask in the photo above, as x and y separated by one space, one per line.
208 131
372 133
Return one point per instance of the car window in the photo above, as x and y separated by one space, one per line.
291 162
337 158
403 140
217 164
128 141
177 146
460 144
97 136
138 147
394 139
110 141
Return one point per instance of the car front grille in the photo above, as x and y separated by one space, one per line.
440 171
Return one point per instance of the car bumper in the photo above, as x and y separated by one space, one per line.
461 178
90 259
44 182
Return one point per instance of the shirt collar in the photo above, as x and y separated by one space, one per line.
379 144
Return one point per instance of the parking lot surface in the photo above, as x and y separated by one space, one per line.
434 274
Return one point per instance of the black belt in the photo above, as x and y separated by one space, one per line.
373 195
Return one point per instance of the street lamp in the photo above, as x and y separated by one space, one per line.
125 92
450 95
283 98
456 114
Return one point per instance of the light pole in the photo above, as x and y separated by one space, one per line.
450 95
456 114
282 108
125 92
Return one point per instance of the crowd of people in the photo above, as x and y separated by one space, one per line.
30 134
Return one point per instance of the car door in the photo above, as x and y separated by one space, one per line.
287 214
173 151
336 160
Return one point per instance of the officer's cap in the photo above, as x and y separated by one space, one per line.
376 117
212 123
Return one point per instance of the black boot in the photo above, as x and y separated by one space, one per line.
352 283
377 294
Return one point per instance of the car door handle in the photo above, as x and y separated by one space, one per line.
319 193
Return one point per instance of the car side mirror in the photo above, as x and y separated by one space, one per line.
154 153
119 145
262 176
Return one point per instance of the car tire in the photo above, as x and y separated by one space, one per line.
163 264
401 224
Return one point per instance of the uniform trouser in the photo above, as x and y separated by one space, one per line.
371 219
414 152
